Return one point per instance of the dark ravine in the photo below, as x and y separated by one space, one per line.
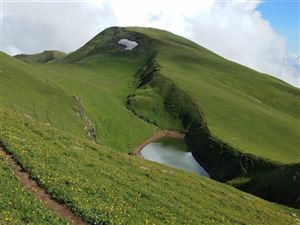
222 161
269 180
33 187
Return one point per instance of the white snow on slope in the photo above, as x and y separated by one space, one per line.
128 44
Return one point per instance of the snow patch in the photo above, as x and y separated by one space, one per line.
128 44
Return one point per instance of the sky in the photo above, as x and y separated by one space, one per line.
284 18
263 35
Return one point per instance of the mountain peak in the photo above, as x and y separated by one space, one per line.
113 40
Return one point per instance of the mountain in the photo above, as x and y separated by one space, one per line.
85 111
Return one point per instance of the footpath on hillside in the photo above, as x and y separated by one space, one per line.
32 186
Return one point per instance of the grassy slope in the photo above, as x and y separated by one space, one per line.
25 91
149 105
103 81
112 187
236 100
43 57
103 85
15 202
254 112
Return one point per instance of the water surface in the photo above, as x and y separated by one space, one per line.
174 153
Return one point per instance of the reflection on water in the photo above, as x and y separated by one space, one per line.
172 152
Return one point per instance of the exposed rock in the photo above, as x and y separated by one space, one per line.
89 127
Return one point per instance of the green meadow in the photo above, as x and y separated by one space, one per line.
125 97
104 186
15 202
254 112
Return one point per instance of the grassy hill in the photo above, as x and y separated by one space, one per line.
104 186
24 90
51 89
17 202
234 99
254 112
43 57
93 106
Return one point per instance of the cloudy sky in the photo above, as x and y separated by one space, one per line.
261 35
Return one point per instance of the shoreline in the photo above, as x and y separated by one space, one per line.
161 134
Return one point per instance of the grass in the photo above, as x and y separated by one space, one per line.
25 91
48 92
103 86
42 127
251 111
149 105
109 187
222 161
43 57
15 202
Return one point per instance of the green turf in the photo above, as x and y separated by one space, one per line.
47 92
251 111
24 90
254 112
15 202
109 187
43 57
103 86
149 105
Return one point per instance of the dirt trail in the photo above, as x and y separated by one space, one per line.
156 136
32 186
59 208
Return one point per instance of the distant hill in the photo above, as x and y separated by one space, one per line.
43 57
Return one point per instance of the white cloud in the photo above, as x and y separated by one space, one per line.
238 32
167 14
233 29
34 27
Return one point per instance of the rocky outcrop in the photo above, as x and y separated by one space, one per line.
89 127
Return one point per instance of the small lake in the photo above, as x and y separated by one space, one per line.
174 153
